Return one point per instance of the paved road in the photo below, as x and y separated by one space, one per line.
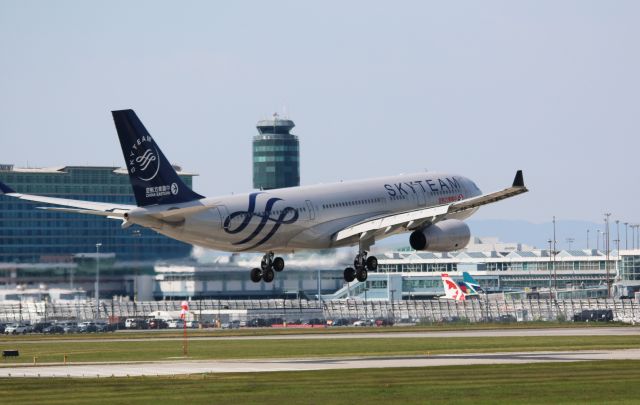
270 365
594 331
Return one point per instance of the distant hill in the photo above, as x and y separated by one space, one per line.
538 234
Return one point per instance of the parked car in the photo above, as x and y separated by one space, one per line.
108 327
175 323
363 322
257 323
340 322
506 319
55 328
594 315
193 324
87 327
155 323
231 325
2 327
39 327
70 327
384 322
17 328
135 323
275 321
316 322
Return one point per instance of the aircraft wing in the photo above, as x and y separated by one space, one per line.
414 219
74 206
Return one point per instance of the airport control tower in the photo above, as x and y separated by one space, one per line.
276 155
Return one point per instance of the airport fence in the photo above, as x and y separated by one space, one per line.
627 311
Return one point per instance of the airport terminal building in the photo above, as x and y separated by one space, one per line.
29 235
408 274
59 249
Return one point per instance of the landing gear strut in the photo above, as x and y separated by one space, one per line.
267 269
361 265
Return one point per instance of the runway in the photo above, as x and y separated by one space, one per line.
165 368
589 331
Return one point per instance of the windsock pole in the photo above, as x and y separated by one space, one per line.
183 315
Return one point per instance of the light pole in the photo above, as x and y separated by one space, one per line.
98 279
555 278
136 247
550 264
393 313
598 240
626 235
606 244
366 312
587 239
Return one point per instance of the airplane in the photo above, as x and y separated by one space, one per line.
431 206
471 283
456 291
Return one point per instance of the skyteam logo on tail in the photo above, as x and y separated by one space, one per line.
144 159
286 216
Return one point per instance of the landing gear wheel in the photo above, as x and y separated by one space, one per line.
264 264
372 263
268 275
361 274
349 274
278 264
256 275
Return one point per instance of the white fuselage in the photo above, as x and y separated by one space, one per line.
289 219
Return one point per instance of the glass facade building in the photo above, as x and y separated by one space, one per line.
30 235
630 267
276 155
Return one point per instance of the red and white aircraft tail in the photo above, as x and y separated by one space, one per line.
452 290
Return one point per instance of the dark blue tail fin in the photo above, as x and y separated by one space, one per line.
153 179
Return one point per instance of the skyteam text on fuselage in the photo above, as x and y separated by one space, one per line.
431 206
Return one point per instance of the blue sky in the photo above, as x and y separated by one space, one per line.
375 88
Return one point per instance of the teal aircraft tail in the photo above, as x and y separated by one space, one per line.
471 283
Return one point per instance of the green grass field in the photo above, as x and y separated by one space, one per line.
136 350
558 383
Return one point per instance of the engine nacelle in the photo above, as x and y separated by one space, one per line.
443 236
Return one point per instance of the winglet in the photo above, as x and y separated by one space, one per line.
518 181
4 189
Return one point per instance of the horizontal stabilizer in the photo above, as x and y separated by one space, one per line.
108 214
90 206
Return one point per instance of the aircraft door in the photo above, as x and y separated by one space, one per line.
311 210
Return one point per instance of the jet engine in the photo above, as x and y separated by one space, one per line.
443 236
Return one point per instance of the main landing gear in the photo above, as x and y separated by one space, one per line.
268 267
360 268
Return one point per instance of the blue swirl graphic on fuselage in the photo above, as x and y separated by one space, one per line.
282 219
